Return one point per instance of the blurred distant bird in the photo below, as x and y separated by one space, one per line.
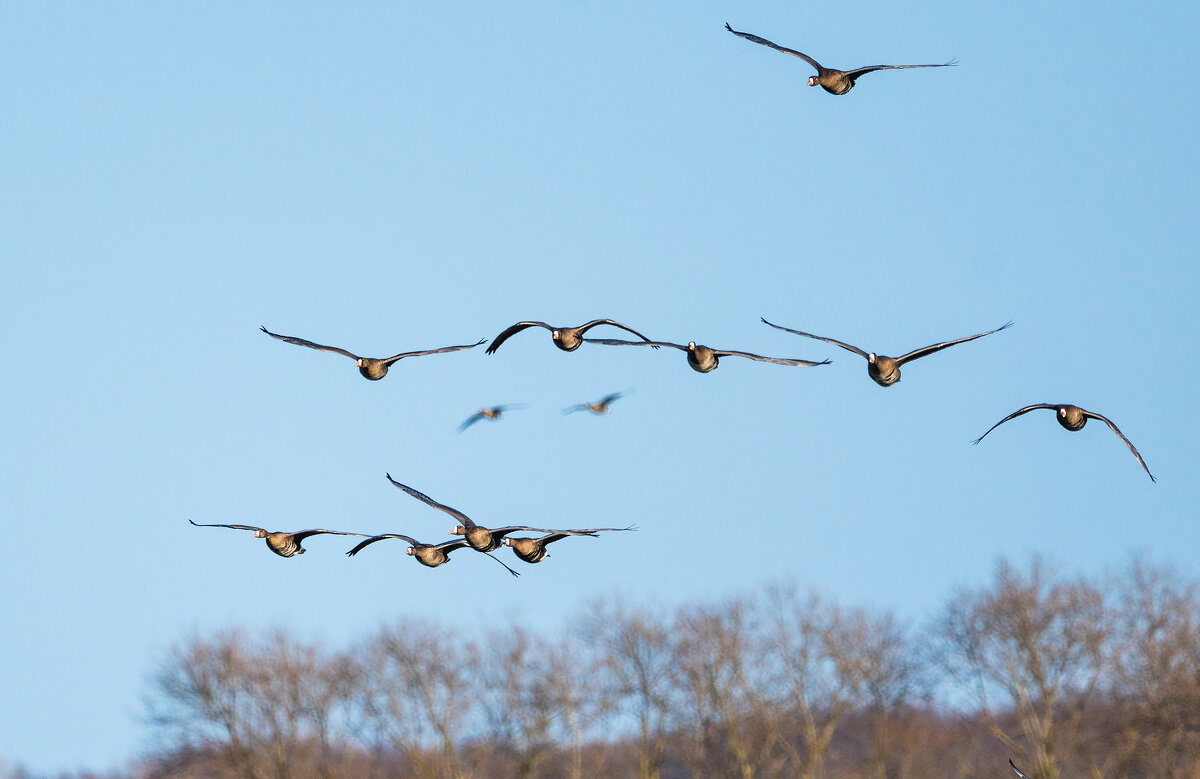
1073 418
885 371
533 550
370 367
431 555
566 338
492 413
478 537
282 544
601 406
1020 773
835 82
702 358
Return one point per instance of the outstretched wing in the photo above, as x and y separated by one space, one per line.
301 342
776 360
513 330
1121 435
833 341
765 42
916 354
233 527
615 342
470 421
1015 414
303 534
853 74
584 328
604 401
402 355
373 539
576 407
461 517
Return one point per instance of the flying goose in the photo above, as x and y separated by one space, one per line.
478 537
885 371
370 367
1073 418
566 338
601 406
1020 773
492 413
533 550
702 358
430 555
835 82
282 544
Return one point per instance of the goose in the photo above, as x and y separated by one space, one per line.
704 359
835 82
1073 418
281 543
479 538
492 413
371 368
1020 773
883 370
566 338
601 406
429 555
533 550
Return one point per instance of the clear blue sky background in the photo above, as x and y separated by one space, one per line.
385 177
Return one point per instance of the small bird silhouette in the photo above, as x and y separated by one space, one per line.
835 82
601 406
492 413
370 367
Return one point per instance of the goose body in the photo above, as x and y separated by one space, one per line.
884 370
833 81
282 543
371 368
566 338
1073 418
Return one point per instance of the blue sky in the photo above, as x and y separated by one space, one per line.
387 178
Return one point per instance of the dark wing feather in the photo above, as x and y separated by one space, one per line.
497 559
604 401
765 42
233 527
461 517
916 354
1121 435
512 330
776 360
833 341
470 421
1020 773
853 74
301 342
373 539
584 328
1014 414
402 355
451 545
303 534
615 342
577 407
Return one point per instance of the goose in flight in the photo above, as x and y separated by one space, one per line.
429 555
492 413
885 371
533 550
371 368
835 82
1073 418
566 338
601 406
704 359
282 544
479 538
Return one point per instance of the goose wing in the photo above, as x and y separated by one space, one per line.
303 534
461 517
1132 448
442 350
584 328
233 527
916 354
785 50
373 539
833 341
853 74
513 330
301 342
604 401
616 342
760 358
576 407
1020 773
470 421
1015 414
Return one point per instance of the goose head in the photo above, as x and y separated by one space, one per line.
260 534
459 530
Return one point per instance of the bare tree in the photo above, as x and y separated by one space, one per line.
1036 642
